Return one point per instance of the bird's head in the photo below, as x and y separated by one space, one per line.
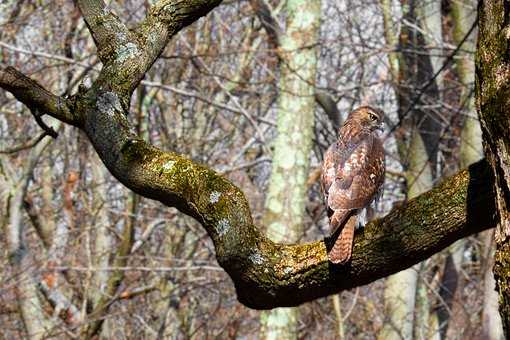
369 117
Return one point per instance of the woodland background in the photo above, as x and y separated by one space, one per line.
238 91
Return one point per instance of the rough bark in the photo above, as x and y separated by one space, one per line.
493 102
265 274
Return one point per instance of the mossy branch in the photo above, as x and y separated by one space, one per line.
267 274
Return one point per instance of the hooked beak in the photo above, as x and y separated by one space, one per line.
380 127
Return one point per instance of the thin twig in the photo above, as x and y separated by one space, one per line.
28 145
48 130
44 55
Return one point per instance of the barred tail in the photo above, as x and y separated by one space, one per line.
342 249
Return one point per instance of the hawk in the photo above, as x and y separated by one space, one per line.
352 176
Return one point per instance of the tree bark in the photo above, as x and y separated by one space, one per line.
286 197
493 104
416 156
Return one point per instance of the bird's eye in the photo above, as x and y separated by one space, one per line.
373 117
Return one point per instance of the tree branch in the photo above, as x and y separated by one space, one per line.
266 274
128 54
329 106
108 31
164 20
33 95
268 21
27 145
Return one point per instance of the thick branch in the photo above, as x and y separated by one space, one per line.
266 274
33 95
108 32
130 59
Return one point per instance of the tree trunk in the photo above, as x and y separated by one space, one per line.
493 104
491 321
285 202
30 306
451 313
464 15
412 69
430 19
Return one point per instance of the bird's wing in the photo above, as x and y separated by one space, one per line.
359 178
353 159
329 168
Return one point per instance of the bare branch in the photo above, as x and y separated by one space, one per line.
164 20
30 144
126 54
46 55
146 234
329 106
268 21
108 31
48 130
174 15
206 100
33 95
61 304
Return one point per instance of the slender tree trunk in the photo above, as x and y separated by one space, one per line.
30 306
285 202
463 13
430 18
417 156
400 289
491 321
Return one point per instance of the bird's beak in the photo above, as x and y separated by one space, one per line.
380 127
